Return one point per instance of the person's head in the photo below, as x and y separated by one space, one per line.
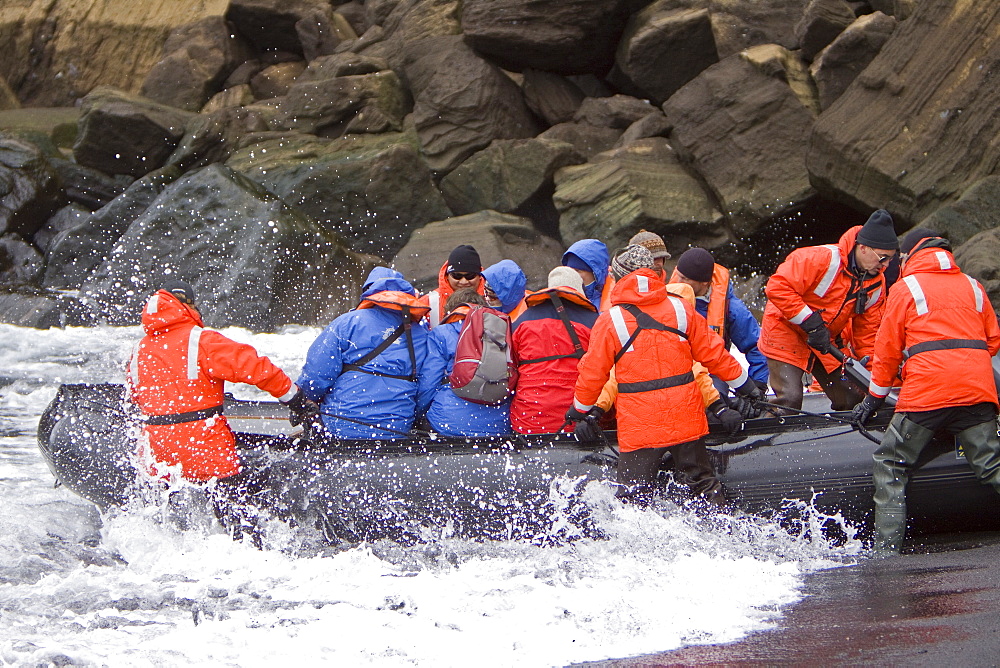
629 259
464 268
695 267
565 277
181 290
655 244
590 259
917 237
577 264
876 243
505 283
464 296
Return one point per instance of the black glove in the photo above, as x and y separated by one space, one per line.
862 413
730 420
749 390
589 428
573 415
745 407
819 335
303 410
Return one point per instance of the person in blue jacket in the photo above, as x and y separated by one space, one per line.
505 284
726 313
366 392
590 259
448 413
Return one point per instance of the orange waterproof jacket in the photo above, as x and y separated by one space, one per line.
658 400
940 326
436 299
718 304
819 278
180 368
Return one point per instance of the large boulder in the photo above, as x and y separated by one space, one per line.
89 187
552 97
197 58
20 262
838 65
285 25
76 251
640 186
740 124
55 52
568 37
127 134
213 137
662 49
821 23
974 212
372 190
30 191
511 176
254 261
497 236
587 139
918 126
739 24
66 218
978 258
615 111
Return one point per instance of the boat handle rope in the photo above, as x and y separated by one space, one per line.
826 416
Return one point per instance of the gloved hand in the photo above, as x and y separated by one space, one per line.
745 407
749 390
730 420
863 412
573 415
589 428
819 335
303 410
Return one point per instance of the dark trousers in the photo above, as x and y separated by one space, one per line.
637 471
786 381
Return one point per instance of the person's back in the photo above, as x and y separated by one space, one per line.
370 398
547 354
448 413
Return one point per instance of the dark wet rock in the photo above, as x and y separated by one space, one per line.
271 25
552 97
978 258
974 212
87 186
322 31
821 23
496 236
740 125
917 127
77 251
214 137
838 65
30 191
617 111
197 58
254 261
652 125
466 104
640 186
243 73
126 134
570 37
741 25
588 139
372 190
20 262
354 13
64 219
662 49
511 176
276 80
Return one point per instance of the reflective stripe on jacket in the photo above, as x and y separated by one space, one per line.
659 403
944 320
179 367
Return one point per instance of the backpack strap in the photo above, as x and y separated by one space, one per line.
644 321
577 346
403 328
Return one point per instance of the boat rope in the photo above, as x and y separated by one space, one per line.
826 416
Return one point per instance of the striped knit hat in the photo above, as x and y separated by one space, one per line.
629 259
653 242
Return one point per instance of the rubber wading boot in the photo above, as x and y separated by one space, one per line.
786 381
982 450
894 459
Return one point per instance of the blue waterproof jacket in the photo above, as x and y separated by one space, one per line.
374 400
742 330
450 414
595 255
507 280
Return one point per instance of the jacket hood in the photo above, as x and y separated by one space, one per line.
931 258
377 273
847 242
595 255
164 311
393 282
640 287
508 282
395 300
564 292
682 290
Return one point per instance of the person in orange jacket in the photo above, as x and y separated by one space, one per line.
812 297
652 339
177 375
462 269
939 333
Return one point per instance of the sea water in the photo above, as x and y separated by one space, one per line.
125 589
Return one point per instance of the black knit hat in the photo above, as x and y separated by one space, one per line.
914 237
464 259
696 264
878 232
183 291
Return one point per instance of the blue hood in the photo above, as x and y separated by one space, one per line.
595 255
377 273
508 281
395 283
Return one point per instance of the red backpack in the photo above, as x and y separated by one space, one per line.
484 370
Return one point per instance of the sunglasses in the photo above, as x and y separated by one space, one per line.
884 259
467 275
